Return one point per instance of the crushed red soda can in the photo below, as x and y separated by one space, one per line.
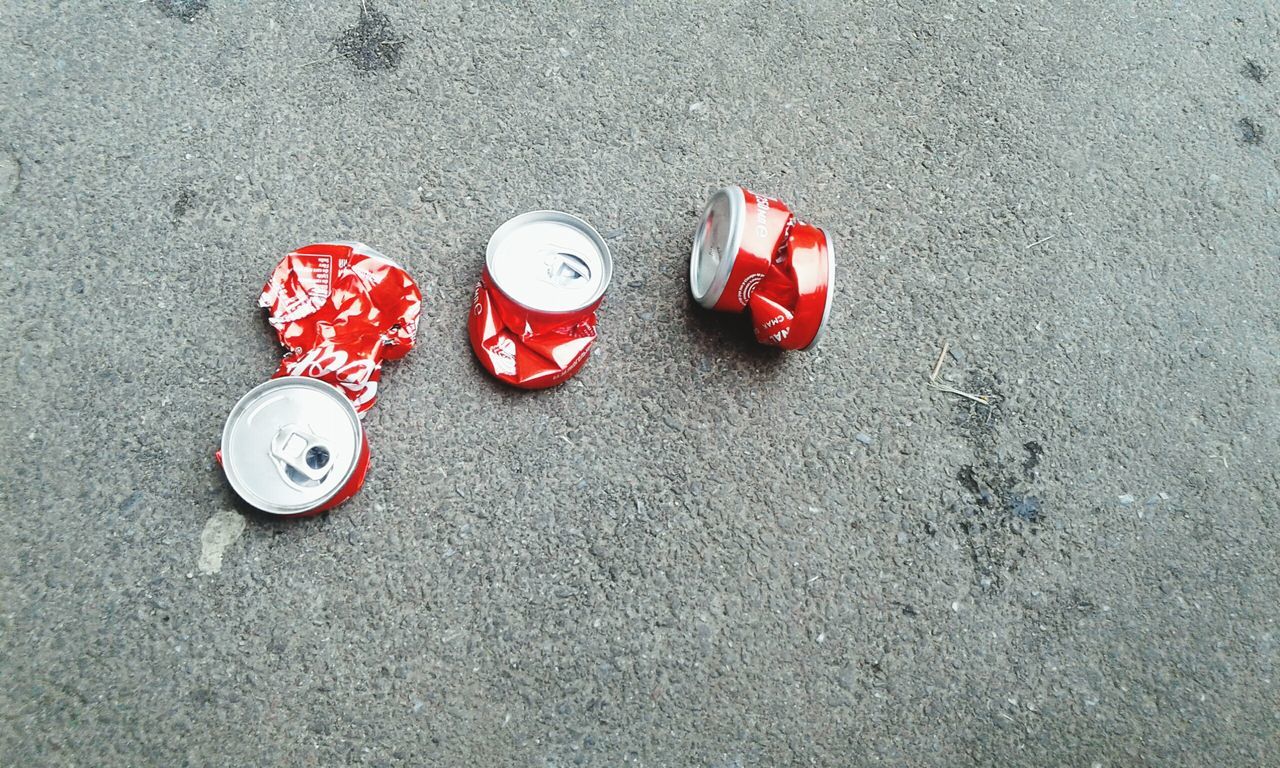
533 315
295 446
734 246
750 253
341 309
790 306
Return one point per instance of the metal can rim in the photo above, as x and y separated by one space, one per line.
737 212
228 465
831 286
564 217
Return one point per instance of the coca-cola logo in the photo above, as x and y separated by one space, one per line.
353 374
502 353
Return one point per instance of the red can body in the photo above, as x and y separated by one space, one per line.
789 308
740 234
296 445
533 314
524 347
341 309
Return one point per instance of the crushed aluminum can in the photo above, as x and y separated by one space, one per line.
751 253
790 307
294 446
341 309
533 314
736 241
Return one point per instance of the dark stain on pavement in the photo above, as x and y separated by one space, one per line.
185 201
1251 132
373 44
1254 71
1034 452
998 511
183 10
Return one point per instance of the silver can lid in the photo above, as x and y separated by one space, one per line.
715 245
291 444
549 261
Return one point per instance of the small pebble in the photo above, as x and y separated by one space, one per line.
1126 499
864 438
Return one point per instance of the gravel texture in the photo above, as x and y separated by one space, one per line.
699 551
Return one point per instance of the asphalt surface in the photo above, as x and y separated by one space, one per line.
699 551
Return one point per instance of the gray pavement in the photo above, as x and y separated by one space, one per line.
697 552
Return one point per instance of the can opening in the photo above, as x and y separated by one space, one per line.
549 261
317 457
567 270
300 456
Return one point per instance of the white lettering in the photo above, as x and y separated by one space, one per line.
353 375
762 216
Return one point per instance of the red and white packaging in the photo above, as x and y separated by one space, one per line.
737 240
533 314
295 445
341 309
790 306
751 253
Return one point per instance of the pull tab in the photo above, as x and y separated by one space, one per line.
566 270
300 456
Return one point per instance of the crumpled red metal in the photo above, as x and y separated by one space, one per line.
341 309
789 306
524 347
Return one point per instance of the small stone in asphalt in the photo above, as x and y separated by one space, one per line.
864 438
1126 499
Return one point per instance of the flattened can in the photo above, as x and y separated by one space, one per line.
340 309
790 307
533 314
294 446
737 239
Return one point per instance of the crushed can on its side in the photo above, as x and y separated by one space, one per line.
751 253
736 241
533 314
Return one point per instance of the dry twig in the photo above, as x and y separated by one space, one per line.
942 387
